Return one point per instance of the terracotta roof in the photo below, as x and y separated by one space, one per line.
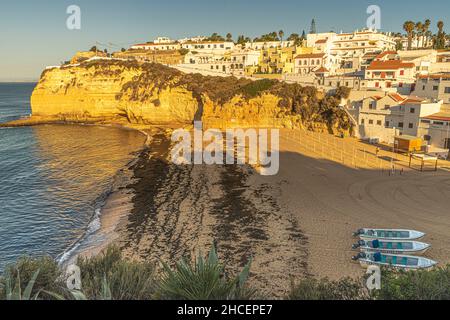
445 76
386 53
441 116
394 96
390 65
321 41
322 70
310 56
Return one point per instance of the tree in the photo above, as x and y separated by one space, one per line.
295 38
93 49
229 37
409 26
419 29
303 37
440 40
241 40
313 29
216 37
281 34
426 30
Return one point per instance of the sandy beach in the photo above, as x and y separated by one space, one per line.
296 224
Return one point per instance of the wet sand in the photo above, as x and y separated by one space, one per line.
293 225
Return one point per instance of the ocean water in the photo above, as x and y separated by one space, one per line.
54 179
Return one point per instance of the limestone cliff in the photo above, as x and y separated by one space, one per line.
146 93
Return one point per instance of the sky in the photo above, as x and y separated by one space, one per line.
33 33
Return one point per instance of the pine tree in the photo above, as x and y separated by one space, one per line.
313 29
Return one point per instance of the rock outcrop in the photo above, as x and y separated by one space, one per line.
144 93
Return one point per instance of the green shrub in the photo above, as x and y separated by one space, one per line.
203 280
23 272
324 289
126 280
415 285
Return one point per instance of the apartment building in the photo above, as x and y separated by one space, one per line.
387 72
435 86
154 46
219 47
384 117
351 47
435 129
280 60
311 63
264 45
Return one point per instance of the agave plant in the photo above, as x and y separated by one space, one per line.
13 287
203 280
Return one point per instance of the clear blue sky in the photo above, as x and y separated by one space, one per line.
33 34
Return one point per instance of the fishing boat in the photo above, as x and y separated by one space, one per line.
388 234
367 259
392 247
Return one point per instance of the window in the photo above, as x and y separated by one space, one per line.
377 84
362 121
400 85
379 122
411 126
425 121
400 124
370 121
447 89
402 72
387 124
435 88
386 107
412 110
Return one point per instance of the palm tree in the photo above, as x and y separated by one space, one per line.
426 30
419 28
229 37
440 42
281 34
409 26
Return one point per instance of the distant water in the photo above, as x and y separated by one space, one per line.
53 179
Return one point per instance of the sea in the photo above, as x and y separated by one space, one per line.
54 179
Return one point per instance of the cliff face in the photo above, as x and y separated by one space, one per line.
154 94
89 92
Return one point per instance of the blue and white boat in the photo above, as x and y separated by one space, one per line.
392 247
388 234
367 259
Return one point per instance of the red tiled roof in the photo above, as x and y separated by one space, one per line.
445 76
438 116
321 41
396 97
386 53
322 70
390 65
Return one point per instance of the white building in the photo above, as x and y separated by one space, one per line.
435 86
435 129
152 46
387 72
240 59
264 45
384 117
350 47
320 63
208 46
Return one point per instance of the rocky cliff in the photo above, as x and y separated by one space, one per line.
146 93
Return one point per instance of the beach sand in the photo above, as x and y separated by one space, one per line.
296 224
